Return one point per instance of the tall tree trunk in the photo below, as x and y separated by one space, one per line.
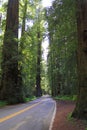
10 89
81 106
38 73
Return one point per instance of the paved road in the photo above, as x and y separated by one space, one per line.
35 115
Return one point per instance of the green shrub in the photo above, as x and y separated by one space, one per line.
74 97
30 98
63 97
3 103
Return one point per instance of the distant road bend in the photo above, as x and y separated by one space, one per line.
35 115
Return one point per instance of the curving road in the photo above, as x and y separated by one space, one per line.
35 115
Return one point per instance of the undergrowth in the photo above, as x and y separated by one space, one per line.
74 120
66 97
30 98
69 117
3 103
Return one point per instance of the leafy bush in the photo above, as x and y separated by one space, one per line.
30 98
66 97
3 103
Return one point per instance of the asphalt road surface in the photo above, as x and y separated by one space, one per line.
35 115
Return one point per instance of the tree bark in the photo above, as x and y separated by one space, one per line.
81 106
38 73
10 89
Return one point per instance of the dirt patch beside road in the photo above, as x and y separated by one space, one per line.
62 120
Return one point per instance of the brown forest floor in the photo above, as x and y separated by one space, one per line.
62 119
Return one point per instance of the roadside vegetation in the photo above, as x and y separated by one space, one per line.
30 98
3 103
66 97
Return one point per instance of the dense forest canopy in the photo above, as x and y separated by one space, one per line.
24 25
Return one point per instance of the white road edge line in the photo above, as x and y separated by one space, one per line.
52 121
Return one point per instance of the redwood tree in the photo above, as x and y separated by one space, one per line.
81 106
38 73
10 88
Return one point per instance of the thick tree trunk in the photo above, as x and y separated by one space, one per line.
10 89
38 74
81 106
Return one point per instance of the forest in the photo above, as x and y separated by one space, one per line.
24 73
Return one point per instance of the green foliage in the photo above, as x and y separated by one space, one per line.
28 46
62 72
44 79
3 9
3 103
30 98
28 62
74 97
69 117
0 54
65 97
